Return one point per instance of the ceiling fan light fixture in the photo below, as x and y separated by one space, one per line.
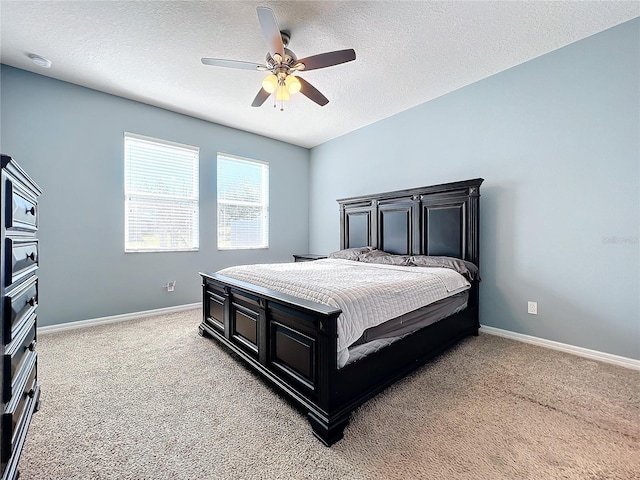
270 83
293 84
282 93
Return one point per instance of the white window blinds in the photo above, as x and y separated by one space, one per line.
243 203
161 195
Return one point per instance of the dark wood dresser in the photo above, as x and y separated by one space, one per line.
19 290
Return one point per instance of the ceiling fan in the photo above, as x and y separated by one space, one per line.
284 65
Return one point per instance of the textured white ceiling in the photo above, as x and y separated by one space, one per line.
408 52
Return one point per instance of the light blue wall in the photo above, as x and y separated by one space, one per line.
557 140
70 141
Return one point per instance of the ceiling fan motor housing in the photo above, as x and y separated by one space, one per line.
287 62
286 37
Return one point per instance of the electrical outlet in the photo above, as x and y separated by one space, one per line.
532 308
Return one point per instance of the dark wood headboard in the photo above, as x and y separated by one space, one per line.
436 220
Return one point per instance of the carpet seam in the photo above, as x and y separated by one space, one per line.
576 417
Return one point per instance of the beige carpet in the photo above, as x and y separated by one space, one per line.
150 399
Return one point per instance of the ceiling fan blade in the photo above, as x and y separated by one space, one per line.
218 62
270 31
312 92
328 59
260 98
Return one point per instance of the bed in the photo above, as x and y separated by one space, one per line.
296 340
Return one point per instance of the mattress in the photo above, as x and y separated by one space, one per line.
376 338
417 319
367 294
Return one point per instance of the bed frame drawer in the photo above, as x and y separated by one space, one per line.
243 326
294 354
215 310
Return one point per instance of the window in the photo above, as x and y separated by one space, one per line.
161 195
243 203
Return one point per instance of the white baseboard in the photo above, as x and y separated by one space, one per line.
563 347
115 318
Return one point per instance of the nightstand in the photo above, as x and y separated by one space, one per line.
307 257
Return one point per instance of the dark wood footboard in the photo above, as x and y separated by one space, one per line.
293 344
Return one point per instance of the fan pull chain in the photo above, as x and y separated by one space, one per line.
280 89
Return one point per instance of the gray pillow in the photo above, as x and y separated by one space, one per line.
384 258
350 253
463 267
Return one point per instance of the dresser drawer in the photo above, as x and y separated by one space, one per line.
21 261
19 410
15 358
24 209
18 305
